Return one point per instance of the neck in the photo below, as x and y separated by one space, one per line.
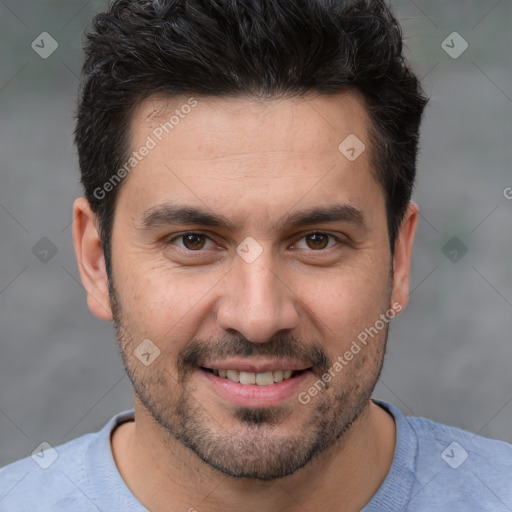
159 470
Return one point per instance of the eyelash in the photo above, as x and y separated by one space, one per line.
170 241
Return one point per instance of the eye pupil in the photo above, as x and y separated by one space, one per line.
320 240
193 240
196 241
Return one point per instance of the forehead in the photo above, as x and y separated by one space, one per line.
224 124
217 151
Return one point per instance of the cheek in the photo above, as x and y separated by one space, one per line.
347 302
166 304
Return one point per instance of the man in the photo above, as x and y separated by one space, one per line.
247 225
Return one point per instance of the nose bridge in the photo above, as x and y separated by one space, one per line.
255 302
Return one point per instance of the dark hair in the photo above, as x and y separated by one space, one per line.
264 48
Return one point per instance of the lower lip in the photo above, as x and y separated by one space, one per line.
253 395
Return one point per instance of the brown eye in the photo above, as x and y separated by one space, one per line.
193 241
190 242
317 240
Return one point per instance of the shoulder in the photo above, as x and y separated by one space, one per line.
454 468
50 479
77 476
460 446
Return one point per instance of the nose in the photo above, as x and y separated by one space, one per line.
256 301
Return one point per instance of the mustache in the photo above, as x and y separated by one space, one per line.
197 351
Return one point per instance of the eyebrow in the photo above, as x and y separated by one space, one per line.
172 214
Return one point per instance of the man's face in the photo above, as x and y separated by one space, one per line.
261 295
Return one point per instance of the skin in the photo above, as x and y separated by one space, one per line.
253 162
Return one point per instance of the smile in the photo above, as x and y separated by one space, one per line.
251 378
250 384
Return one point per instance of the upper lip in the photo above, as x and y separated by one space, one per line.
245 365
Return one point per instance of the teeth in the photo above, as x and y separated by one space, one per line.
247 378
260 379
233 375
278 376
264 379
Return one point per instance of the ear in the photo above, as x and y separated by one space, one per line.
402 257
91 260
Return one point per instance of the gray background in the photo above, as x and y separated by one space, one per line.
449 354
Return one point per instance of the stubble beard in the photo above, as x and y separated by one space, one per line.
256 448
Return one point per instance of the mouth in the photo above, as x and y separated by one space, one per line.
253 378
255 385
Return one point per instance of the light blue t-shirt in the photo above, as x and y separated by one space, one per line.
435 468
